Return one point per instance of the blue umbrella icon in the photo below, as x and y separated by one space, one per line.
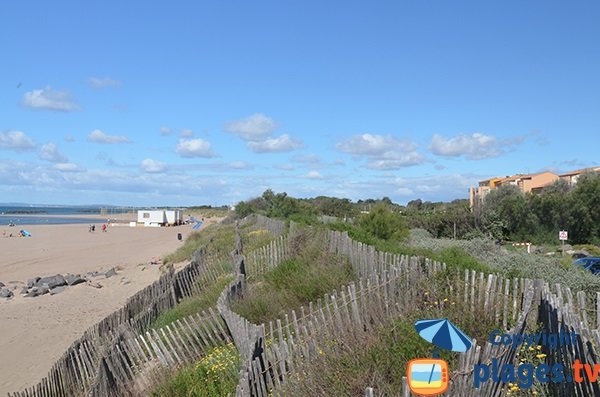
443 334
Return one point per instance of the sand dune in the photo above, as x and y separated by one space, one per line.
34 332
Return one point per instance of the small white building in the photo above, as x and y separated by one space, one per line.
174 217
157 218
154 218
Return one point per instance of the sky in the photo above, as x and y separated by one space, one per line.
195 102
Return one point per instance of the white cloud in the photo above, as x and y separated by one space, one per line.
239 165
100 137
283 143
68 167
373 145
383 152
314 175
96 82
152 166
475 146
186 133
15 140
49 99
194 148
50 152
253 128
396 160
164 131
69 138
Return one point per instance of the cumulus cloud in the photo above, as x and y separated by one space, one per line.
253 128
50 152
100 137
313 175
383 152
16 140
283 143
194 148
68 167
96 82
476 146
239 165
152 166
49 99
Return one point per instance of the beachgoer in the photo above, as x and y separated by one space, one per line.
104 227
93 228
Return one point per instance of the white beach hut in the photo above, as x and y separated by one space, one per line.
153 218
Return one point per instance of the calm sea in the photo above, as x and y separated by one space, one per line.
47 215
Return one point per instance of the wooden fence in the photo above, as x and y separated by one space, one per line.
385 290
121 356
80 368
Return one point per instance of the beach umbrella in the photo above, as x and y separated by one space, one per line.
445 335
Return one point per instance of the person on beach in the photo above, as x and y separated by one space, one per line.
104 227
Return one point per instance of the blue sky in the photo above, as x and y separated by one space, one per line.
185 103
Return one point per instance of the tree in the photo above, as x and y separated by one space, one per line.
382 223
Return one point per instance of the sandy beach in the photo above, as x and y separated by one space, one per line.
35 332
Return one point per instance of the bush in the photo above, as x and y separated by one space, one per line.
383 224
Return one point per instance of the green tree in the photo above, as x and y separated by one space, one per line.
382 223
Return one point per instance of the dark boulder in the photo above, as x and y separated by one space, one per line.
110 273
57 290
6 293
51 281
74 279
32 281
2 284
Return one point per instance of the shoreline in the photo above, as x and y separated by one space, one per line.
36 331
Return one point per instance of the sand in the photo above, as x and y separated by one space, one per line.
35 332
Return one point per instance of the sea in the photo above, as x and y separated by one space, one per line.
51 215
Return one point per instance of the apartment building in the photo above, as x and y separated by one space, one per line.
528 183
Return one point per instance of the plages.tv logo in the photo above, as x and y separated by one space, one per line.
429 376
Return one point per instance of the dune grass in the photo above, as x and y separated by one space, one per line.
308 276
378 358
215 375
196 304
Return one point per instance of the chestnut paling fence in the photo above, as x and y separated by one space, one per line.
121 356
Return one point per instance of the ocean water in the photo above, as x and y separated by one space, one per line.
29 215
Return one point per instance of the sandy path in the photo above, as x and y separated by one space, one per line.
35 332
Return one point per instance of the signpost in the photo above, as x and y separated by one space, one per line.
562 236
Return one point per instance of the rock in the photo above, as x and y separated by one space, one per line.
6 293
94 284
125 281
110 273
2 284
24 291
32 281
52 281
44 289
57 290
74 279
